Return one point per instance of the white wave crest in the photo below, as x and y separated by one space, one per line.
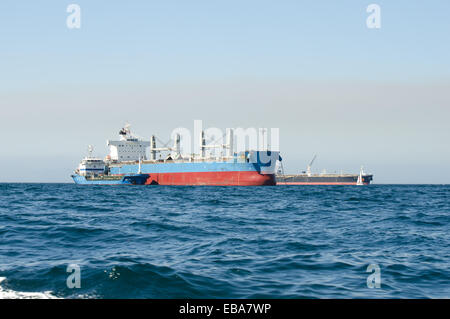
11 294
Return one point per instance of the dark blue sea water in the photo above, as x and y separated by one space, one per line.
224 242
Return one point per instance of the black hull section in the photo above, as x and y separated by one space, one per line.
322 179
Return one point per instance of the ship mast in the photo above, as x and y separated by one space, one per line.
360 177
90 150
228 147
139 167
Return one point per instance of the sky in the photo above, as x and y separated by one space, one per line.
352 95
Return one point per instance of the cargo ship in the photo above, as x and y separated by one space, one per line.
307 178
129 163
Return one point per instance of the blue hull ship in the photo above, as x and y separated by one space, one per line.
130 179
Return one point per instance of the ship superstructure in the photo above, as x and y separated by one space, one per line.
94 170
91 165
128 148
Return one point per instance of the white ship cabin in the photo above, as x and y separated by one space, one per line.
129 148
91 165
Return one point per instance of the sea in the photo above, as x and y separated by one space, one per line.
79 241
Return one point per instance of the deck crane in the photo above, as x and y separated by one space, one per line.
308 168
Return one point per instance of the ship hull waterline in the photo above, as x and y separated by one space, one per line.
319 183
323 180
136 179
193 179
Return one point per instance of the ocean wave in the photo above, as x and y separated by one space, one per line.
11 294
217 242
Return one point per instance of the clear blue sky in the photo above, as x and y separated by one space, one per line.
312 68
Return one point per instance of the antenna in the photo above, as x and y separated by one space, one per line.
127 131
90 150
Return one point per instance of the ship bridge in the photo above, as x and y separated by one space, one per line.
128 148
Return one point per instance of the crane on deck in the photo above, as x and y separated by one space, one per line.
308 168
